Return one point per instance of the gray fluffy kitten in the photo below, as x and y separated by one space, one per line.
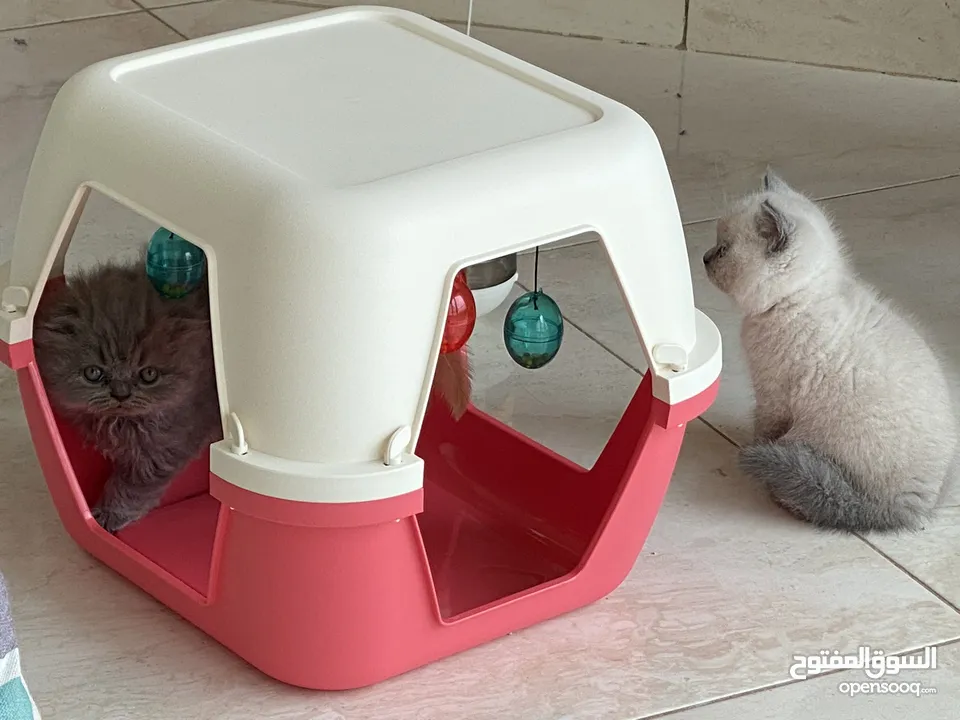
134 372
855 429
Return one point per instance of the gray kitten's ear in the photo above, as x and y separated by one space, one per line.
774 183
774 227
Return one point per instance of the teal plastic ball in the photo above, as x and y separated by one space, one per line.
533 330
175 266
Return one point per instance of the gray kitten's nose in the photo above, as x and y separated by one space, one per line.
710 254
119 391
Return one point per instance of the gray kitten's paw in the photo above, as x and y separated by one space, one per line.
110 519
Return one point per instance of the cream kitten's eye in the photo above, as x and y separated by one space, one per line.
149 375
92 374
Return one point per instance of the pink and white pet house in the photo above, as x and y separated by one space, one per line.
348 529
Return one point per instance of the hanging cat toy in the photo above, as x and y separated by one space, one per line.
175 266
532 328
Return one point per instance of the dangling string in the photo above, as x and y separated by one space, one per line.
536 252
536 275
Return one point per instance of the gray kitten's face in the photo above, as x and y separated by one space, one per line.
772 244
114 373
112 347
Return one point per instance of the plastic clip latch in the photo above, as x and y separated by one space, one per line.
393 455
14 298
238 440
673 357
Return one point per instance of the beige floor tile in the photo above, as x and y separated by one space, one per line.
932 555
30 77
833 131
656 22
23 13
833 32
222 15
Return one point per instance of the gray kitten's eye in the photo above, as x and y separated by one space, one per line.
92 374
149 375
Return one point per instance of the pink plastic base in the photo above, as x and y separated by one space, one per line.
334 597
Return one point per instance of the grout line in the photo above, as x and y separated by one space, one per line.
720 432
535 31
50 23
298 3
894 186
686 25
325 6
177 3
461 21
717 701
824 198
768 688
827 198
681 89
683 48
954 606
827 66
151 13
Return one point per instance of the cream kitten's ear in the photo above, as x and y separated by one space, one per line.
774 227
774 183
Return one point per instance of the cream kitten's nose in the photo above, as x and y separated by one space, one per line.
723 227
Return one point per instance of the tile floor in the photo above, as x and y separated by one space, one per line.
728 589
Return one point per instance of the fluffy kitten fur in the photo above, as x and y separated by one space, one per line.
452 380
854 426
99 340
134 372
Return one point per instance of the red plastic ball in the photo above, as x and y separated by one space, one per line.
461 316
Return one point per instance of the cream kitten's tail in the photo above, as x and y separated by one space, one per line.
814 487
452 380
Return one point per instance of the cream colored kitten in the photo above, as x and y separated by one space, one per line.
854 425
